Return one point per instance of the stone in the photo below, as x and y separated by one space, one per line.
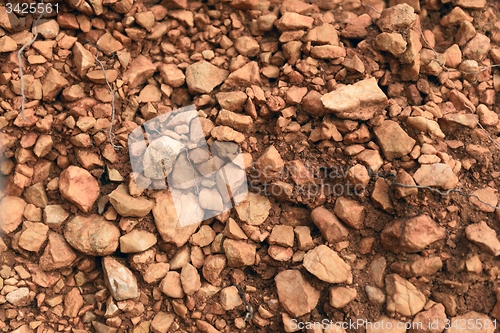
282 235
230 298
137 241
247 46
411 235
160 157
171 285
12 209
36 195
401 16
329 225
155 272
239 253
7 44
54 215
107 43
119 279
226 133
213 267
350 212
426 125
487 325
172 75
359 101
231 100
484 237
327 266
254 210
244 76
162 322
402 296
341 296
43 145
477 48
380 195
486 200
295 294
294 21
101 328
73 301
328 52
436 175
140 70
435 314
393 43
49 29
323 34
19 297
33 236
202 77
234 120
190 279
128 206
472 4
270 164
57 254
453 56
393 140
92 235
79 187
52 85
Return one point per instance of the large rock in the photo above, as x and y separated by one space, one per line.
79 187
33 236
327 266
295 294
12 209
402 296
202 77
393 140
120 280
436 175
128 206
239 253
359 101
92 235
411 235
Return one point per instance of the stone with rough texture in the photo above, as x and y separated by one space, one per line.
239 253
390 42
270 164
402 296
436 175
434 314
120 280
488 197
295 294
359 101
341 296
12 209
92 235
79 187
329 225
190 279
350 212
33 236
140 70
162 322
327 266
397 17
73 301
254 210
57 254
294 21
137 241
19 297
171 285
229 298
128 206
245 76
393 140
7 44
202 77
484 237
53 83
488 326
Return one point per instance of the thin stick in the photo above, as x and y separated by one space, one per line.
19 60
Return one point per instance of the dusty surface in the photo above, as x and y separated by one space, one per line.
369 140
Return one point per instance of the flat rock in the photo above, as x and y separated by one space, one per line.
12 209
52 85
329 225
254 210
402 296
231 100
57 254
350 212
245 76
162 322
120 280
79 187
19 297
393 140
327 266
137 241
73 301
359 101
33 236
295 294
436 175
484 237
202 77
486 200
92 235
140 70
7 44
54 215
128 206
239 253
397 17
294 21
341 296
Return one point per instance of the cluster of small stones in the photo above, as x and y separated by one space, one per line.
282 81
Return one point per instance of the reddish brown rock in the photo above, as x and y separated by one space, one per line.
57 253
12 209
484 237
79 187
331 228
295 294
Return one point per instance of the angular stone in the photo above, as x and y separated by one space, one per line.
358 101
234 120
477 48
33 236
12 209
57 253
329 226
137 241
162 322
82 58
79 187
54 215
341 296
324 34
294 21
434 315
270 164
92 235
19 297
202 77
254 210
213 267
239 253
436 175
140 70
245 76
119 279
401 16
484 237
36 195
247 46
390 42
230 298
171 285
350 212
7 44
52 85
488 197
295 294
73 301
232 101
327 266
402 296
128 206
393 140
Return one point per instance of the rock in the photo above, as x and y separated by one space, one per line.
380 195
402 296
329 226
486 200
229 298
57 253
426 125
254 210
295 294
119 279
247 46
484 237
477 48
487 325
434 314
140 70
327 266
448 301
167 220
19 297
245 76
172 75
73 301
397 17
49 29
101 328
160 157
202 77
436 175
162 322
350 212
231 100
128 206
33 236
12 209
92 235
390 42
213 267
328 52
171 285
54 215
282 235
294 21
79 187
486 116
52 85
43 145
239 253
225 133
472 4
36 195
304 239
270 164
341 296
393 140
137 241
237 121
359 101
411 235
190 279
155 272
453 56
324 34
33 87
7 44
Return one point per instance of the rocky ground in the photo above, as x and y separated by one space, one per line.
369 140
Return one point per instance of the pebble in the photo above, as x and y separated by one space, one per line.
326 265
172 75
33 236
323 34
120 280
295 294
92 235
390 42
294 21
79 187
329 225
341 296
162 322
245 76
484 237
18 297
435 313
402 296
73 301
171 285
52 85
477 48
282 235
247 46
140 70
254 210
350 212
128 206
397 17
54 215
190 279
213 267
393 140
487 195
12 209
231 100
7 44
436 175
239 253
202 77
57 254
229 298
137 241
